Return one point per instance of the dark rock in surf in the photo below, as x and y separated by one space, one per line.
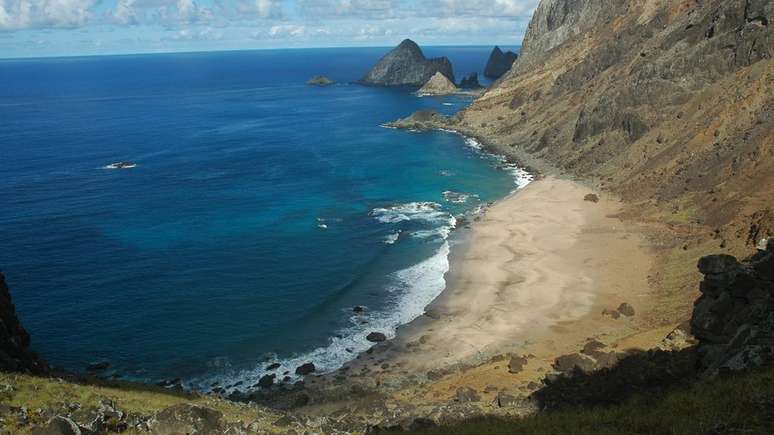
305 369
266 381
376 337
98 366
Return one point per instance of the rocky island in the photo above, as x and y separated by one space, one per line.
406 65
499 63
437 85
320 81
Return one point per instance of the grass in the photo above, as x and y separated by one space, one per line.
743 404
52 395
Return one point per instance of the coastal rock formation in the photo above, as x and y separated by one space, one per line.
15 352
320 81
437 85
421 120
668 105
499 63
376 337
406 65
734 317
470 82
305 369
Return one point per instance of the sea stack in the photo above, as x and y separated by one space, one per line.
470 82
499 63
406 65
437 85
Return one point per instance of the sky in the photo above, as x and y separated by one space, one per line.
37 28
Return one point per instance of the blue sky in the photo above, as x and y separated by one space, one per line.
30 28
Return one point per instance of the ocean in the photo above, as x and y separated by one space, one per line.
260 212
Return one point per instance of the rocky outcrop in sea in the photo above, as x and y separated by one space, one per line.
437 85
470 82
406 65
320 81
15 352
499 63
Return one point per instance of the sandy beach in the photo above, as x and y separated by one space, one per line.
537 271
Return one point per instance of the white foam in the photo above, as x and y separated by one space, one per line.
457 197
390 239
410 291
520 176
429 212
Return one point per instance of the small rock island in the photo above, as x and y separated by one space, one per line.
406 65
437 85
319 80
499 63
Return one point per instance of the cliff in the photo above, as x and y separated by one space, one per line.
406 65
499 63
667 104
15 352
734 317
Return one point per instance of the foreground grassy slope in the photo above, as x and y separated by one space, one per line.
740 405
27 401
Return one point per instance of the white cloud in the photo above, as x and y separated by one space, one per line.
371 9
20 14
169 13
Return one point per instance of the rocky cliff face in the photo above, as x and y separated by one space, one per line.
734 317
499 63
15 352
406 65
667 103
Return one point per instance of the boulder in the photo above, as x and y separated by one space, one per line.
569 363
376 337
437 85
504 400
626 309
466 395
516 365
57 426
406 65
273 366
305 369
359 310
612 313
187 419
591 198
98 366
499 63
267 381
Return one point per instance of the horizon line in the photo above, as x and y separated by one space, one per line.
150 53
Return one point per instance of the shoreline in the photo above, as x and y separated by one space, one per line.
530 277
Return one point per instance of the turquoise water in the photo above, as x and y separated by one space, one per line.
261 210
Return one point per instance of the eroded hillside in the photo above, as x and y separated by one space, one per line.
667 103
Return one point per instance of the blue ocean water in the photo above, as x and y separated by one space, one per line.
261 210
